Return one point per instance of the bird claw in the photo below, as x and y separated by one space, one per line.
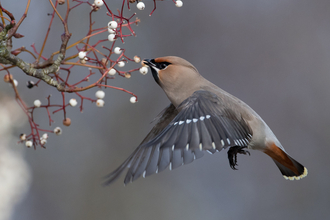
232 155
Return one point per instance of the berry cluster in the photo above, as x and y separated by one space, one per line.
57 69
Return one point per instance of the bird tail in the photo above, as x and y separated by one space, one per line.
289 167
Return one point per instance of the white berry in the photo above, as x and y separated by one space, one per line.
112 24
100 94
37 103
58 131
100 103
140 6
112 72
98 3
73 102
178 3
22 137
143 70
137 59
111 37
43 141
128 75
82 55
121 64
117 50
45 136
28 144
15 82
132 99
111 31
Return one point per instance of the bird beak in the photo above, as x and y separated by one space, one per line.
149 62
154 70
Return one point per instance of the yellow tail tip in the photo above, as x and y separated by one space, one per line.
297 177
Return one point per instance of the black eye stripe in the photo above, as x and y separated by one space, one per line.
162 65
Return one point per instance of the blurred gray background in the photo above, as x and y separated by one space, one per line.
272 54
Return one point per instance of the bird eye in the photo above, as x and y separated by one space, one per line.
163 65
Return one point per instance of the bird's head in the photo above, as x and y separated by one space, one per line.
171 70
174 74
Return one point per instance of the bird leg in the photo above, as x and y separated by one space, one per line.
232 155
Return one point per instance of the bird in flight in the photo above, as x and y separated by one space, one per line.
201 118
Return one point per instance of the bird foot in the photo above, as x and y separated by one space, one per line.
232 155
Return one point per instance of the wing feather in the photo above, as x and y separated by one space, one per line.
153 161
165 159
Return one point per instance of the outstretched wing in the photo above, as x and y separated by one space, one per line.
201 123
163 119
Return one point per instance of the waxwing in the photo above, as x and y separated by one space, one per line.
201 118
